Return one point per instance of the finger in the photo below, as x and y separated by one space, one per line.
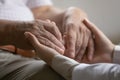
52 28
53 39
50 44
93 28
70 41
90 53
82 50
79 42
55 31
36 42
32 39
46 34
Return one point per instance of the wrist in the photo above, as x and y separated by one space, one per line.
75 13
19 37
110 53
12 33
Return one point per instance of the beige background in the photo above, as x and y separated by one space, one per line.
104 13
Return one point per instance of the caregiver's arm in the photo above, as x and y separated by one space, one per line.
72 70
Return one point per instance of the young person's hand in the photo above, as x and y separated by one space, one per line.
44 52
103 46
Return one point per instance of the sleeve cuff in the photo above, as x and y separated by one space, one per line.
116 54
64 66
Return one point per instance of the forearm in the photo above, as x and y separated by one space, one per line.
61 64
57 15
49 12
72 70
12 32
64 66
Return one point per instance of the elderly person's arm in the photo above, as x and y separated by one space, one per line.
12 32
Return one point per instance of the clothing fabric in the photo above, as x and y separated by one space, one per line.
16 67
72 70
64 66
99 71
19 10
116 55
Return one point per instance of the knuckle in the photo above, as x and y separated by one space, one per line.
71 37
44 34
71 25
81 29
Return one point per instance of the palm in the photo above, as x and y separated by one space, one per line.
103 46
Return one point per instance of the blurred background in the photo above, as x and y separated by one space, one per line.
104 13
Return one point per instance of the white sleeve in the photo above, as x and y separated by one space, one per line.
100 71
64 66
116 54
72 70
37 3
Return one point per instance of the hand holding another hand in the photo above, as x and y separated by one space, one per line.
103 46
78 37
48 34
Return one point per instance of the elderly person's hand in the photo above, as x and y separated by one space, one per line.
103 46
48 34
12 33
78 37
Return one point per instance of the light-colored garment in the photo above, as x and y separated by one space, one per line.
100 71
16 67
71 70
19 10
116 56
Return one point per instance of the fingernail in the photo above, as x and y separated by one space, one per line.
63 47
71 55
61 51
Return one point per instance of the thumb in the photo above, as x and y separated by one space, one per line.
94 29
32 39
